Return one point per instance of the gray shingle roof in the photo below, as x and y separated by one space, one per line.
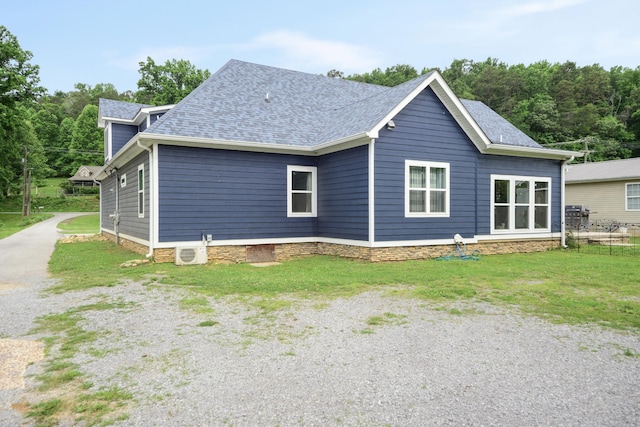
248 102
610 170
496 127
302 109
118 109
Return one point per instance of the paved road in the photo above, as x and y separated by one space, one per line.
24 259
24 256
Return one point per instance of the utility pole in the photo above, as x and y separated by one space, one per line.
25 184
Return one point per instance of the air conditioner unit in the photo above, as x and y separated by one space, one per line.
191 255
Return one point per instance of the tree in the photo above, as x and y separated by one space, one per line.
169 83
392 76
18 86
87 139
46 126
63 165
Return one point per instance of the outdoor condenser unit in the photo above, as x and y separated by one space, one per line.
191 255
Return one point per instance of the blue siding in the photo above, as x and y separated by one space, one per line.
130 224
343 208
519 166
107 201
120 135
229 194
424 131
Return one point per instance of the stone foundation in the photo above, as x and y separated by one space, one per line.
127 244
284 252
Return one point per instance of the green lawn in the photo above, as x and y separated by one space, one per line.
12 223
85 224
560 285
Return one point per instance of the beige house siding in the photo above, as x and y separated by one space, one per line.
605 200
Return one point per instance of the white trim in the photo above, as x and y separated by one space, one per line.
108 132
265 241
372 191
427 190
511 227
525 237
359 243
127 237
626 196
138 191
314 191
154 217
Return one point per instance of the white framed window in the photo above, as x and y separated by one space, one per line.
632 196
302 193
141 191
123 180
427 190
520 203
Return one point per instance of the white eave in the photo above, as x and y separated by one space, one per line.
140 116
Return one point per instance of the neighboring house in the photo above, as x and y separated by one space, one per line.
610 189
263 163
84 176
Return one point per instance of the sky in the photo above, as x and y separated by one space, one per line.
94 42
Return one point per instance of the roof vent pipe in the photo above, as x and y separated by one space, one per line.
266 98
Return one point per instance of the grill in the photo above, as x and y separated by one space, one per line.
576 217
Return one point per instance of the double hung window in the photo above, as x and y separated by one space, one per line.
426 189
520 203
302 194
633 196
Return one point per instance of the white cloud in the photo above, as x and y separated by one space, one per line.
537 7
303 52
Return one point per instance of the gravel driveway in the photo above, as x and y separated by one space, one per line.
368 360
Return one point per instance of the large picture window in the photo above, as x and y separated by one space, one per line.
302 194
633 196
520 203
426 189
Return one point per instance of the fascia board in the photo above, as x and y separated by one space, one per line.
460 113
126 153
132 149
540 153
146 111
407 99
149 138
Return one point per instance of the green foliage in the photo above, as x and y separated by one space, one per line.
169 83
87 139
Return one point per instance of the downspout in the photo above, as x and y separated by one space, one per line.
148 149
372 205
563 242
116 214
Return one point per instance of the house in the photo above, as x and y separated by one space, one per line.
610 190
84 176
263 163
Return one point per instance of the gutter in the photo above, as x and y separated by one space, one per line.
563 242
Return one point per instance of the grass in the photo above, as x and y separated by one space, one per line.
560 285
65 379
85 224
12 223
